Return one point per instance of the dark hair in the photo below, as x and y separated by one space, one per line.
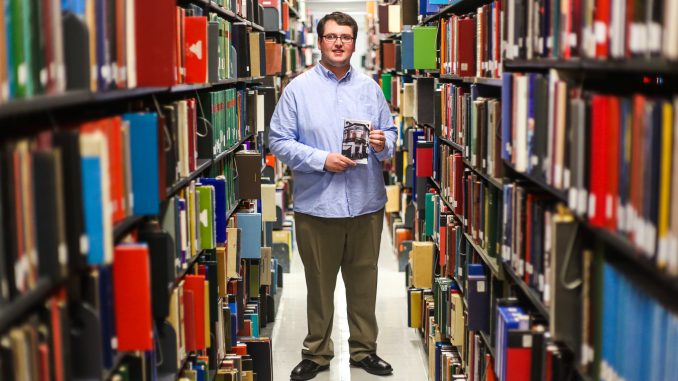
340 18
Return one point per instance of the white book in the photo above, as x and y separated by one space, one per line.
670 33
520 133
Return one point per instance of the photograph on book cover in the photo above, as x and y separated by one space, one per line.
356 138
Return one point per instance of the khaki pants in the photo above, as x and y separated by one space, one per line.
325 246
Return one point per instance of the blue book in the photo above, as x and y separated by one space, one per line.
107 314
530 119
143 132
508 318
93 208
219 185
9 26
102 53
506 116
478 298
250 244
407 50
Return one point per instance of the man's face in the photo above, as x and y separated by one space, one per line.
337 53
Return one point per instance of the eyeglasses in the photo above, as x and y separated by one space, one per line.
345 38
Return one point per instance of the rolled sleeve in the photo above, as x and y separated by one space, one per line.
283 138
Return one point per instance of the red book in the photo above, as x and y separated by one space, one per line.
601 28
458 170
389 56
489 368
189 321
466 48
528 239
613 150
518 355
285 16
273 58
424 160
195 49
637 162
270 3
111 128
155 26
132 297
383 18
442 236
43 362
599 158
55 305
451 248
196 284
179 46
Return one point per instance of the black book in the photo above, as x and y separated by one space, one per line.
161 252
68 143
171 152
425 93
240 41
52 254
4 280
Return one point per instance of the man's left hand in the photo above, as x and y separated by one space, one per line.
377 140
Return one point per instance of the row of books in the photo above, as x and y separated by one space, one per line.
470 45
98 173
610 156
601 29
206 317
392 17
95 45
474 123
520 346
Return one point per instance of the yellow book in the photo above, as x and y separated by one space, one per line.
421 263
673 224
221 271
232 252
415 296
393 198
265 266
268 203
665 184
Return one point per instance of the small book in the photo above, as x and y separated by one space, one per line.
356 138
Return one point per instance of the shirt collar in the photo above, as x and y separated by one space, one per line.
328 73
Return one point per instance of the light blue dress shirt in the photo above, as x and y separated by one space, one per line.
308 124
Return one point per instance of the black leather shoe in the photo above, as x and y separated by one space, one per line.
306 370
374 365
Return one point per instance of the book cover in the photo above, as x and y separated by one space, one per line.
356 138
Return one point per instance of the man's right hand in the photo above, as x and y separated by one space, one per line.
337 162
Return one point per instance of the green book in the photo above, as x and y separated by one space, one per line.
425 56
491 222
21 48
474 134
253 275
430 215
386 86
206 216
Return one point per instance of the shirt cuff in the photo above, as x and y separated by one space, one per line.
318 159
384 154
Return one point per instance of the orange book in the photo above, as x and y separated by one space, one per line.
111 128
196 285
132 297
443 45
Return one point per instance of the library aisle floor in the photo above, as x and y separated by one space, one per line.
397 344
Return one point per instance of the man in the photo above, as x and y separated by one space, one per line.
339 204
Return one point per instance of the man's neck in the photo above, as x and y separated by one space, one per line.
339 72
